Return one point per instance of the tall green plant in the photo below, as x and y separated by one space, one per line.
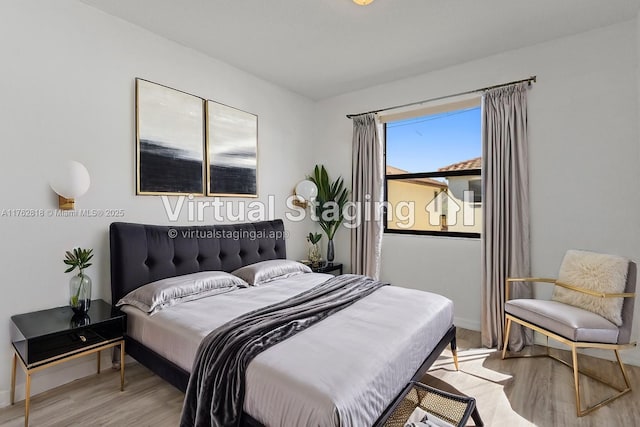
330 201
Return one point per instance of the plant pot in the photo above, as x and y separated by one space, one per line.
80 294
330 251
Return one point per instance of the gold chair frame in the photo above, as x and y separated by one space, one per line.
575 345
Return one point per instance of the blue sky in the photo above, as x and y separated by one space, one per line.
424 144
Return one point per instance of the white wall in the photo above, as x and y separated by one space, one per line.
584 155
67 91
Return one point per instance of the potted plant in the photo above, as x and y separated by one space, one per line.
314 250
80 284
329 204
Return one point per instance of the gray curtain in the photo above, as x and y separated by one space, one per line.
367 180
505 209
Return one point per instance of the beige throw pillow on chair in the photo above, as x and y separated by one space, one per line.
597 272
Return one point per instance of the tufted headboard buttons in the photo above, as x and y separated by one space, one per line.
142 253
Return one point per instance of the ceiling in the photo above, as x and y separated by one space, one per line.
322 48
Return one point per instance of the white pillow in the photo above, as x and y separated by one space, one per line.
267 271
597 272
155 296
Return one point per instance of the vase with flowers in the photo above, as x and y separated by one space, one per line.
80 284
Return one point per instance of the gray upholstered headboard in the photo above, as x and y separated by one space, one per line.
141 253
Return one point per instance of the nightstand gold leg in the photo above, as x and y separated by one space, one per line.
13 377
98 362
27 396
122 366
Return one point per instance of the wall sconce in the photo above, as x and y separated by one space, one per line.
70 181
363 2
305 192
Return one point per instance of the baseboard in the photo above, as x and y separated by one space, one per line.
630 356
4 398
472 325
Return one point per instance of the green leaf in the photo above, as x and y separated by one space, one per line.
78 258
324 181
314 238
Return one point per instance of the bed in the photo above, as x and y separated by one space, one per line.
344 370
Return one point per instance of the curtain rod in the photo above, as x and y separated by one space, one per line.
484 89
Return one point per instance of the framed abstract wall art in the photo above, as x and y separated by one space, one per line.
231 151
170 142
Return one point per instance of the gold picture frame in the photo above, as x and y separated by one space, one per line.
170 141
231 151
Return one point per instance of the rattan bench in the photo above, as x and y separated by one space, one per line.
451 408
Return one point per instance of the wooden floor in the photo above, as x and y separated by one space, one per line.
516 392
535 391
147 400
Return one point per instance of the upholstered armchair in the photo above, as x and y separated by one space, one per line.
591 307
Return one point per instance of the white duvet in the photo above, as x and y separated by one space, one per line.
342 371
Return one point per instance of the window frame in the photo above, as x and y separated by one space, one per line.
444 174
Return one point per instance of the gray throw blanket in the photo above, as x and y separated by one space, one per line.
215 394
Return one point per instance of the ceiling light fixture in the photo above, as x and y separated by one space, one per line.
363 2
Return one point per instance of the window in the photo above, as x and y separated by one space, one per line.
433 171
475 185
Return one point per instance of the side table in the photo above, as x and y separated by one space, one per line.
46 338
328 268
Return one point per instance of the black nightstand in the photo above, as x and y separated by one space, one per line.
42 339
328 268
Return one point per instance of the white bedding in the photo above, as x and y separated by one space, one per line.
342 371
